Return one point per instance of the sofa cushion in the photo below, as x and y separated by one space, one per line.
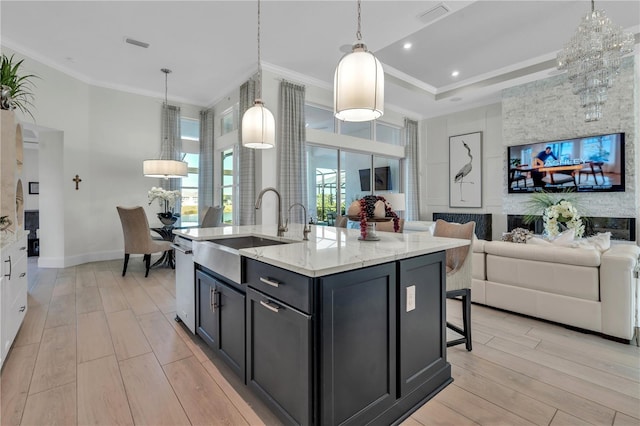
544 253
581 282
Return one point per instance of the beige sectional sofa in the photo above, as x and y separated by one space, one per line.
579 287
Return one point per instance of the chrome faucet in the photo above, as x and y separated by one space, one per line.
281 229
306 230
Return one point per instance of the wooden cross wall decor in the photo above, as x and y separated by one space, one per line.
77 180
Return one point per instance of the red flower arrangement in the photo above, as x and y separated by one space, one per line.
367 207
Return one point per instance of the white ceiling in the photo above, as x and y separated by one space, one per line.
211 46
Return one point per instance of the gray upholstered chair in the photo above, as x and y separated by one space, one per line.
458 265
212 217
388 226
341 221
137 236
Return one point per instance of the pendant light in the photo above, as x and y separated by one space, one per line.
258 124
358 83
165 167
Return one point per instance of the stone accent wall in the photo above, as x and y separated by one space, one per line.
547 110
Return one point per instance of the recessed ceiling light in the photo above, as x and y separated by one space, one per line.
407 45
455 73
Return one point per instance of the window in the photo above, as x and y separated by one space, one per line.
189 201
322 180
319 118
228 120
337 177
227 180
190 129
190 135
388 134
357 129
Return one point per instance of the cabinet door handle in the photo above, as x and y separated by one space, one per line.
271 306
270 281
9 274
181 249
216 300
211 299
23 274
22 308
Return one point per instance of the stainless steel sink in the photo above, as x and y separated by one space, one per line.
222 256
247 242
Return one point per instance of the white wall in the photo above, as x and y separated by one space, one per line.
434 162
103 136
30 174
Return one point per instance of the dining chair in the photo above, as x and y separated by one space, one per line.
212 217
458 268
341 221
137 236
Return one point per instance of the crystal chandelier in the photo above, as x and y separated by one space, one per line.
592 59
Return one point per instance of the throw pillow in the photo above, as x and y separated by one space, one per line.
600 242
565 238
517 235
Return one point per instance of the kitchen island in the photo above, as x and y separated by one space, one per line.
327 331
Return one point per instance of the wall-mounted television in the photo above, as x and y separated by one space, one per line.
582 164
382 176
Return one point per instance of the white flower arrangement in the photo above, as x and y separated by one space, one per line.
563 212
166 199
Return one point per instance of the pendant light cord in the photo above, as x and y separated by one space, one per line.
593 6
259 89
358 32
165 151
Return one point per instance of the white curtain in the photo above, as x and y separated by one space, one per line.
246 198
292 164
206 166
172 140
412 188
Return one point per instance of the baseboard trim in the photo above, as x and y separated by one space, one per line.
65 262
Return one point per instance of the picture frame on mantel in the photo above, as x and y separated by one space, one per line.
465 170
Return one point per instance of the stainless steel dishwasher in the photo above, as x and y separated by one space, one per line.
185 282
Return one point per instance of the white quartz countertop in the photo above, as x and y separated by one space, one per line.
329 250
7 238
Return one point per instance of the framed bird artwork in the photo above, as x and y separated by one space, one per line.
465 170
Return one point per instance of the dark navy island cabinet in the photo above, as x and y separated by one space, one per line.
365 346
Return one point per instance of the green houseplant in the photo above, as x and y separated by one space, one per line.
16 89
557 211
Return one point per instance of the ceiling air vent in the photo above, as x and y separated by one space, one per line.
434 13
136 42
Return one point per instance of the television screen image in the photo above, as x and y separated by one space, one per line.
583 164
382 179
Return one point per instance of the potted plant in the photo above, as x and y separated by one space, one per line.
167 200
16 88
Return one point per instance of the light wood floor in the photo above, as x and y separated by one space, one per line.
97 348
